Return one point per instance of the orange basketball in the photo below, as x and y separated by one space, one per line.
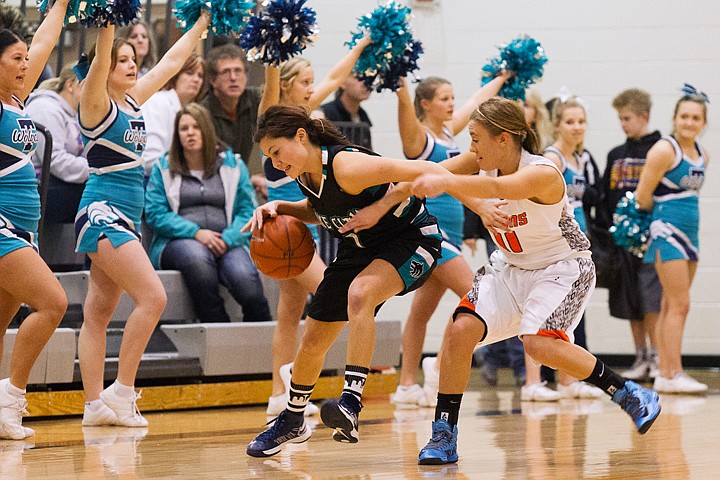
283 249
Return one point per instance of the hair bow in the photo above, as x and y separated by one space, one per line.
690 91
564 94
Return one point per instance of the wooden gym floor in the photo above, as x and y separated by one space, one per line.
500 437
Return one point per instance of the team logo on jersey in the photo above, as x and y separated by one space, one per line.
416 268
101 213
26 133
576 189
136 134
694 179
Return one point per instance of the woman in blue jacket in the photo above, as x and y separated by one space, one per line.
198 198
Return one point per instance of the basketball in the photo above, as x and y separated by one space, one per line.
283 249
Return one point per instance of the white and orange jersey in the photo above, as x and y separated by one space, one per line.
540 235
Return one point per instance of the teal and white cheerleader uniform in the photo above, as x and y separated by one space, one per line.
576 180
448 210
19 197
113 200
676 214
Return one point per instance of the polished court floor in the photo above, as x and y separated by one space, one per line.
500 437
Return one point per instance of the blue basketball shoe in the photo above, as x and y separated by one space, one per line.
640 403
285 428
335 414
442 447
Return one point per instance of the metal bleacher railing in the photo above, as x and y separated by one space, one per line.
81 44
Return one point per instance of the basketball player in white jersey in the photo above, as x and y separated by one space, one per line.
537 283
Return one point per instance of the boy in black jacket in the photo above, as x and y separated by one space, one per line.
636 292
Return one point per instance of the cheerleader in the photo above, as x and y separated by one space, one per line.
24 277
108 221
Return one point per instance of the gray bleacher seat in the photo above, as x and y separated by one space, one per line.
56 362
245 348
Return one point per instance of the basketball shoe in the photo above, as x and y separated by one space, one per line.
285 428
640 403
442 447
338 415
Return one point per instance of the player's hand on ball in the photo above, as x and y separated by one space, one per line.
428 185
266 210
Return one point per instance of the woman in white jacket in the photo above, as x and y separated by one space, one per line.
54 106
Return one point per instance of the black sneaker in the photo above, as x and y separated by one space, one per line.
339 416
285 428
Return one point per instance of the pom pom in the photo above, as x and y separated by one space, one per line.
72 13
525 57
227 16
99 13
631 226
398 68
279 32
393 53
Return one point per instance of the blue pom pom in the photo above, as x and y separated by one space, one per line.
99 13
400 67
227 16
631 226
393 53
124 12
525 57
281 31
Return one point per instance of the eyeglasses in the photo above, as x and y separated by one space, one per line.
227 72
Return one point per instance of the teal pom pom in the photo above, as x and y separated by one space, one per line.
526 58
281 31
227 16
631 226
393 53
72 13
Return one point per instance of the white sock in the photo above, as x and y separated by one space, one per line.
123 390
94 405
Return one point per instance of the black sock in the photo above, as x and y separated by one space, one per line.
299 398
605 379
448 408
355 378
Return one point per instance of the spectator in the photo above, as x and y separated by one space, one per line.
138 35
346 108
198 198
54 106
234 107
635 293
160 110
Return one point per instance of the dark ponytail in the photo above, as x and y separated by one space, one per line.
283 121
7 39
